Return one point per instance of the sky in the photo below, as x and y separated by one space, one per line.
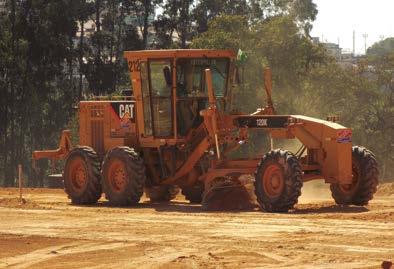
338 18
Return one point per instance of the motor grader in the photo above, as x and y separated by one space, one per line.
178 128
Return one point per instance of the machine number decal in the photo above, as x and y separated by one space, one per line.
134 66
262 122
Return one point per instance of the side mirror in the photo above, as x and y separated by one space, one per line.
167 75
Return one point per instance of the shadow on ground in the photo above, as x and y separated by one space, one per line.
310 209
185 207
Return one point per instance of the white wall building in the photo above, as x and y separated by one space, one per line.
333 50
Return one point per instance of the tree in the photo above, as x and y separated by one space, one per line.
207 10
381 48
37 78
176 18
142 10
276 42
380 121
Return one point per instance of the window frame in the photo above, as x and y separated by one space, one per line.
171 97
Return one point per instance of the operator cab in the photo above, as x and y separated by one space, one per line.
180 73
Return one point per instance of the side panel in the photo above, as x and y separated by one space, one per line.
106 124
332 143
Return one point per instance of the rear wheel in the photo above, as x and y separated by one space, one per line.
278 181
123 175
161 193
82 176
364 182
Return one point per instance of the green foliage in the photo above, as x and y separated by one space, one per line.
227 32
381 48
44 61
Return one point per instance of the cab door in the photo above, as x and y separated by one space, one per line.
156 87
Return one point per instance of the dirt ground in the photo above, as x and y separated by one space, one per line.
48 232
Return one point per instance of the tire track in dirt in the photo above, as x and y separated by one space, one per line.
45 254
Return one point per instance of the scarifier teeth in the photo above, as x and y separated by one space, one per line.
227 194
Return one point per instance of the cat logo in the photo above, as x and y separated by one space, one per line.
126 109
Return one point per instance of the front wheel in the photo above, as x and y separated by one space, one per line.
124 176
278 181
364 182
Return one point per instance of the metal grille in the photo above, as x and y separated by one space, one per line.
97 128
98 136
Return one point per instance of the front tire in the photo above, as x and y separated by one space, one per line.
124 176
278 181
365 180
82 176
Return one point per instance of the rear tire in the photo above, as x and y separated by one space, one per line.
82 176
365 180
161 193
278 181
194 193
124 176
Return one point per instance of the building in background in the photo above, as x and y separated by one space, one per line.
343 57
136 20
333 50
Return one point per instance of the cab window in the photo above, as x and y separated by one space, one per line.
161 89
192 93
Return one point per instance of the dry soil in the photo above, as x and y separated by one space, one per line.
48 232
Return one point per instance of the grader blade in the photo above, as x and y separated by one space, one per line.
227 194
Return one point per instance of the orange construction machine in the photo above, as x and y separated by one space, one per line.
177 130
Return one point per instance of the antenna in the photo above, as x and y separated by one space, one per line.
365 42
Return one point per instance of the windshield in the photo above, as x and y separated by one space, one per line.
191 78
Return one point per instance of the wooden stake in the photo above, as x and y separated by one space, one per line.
20 183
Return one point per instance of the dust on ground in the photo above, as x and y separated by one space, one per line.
386 189
48 232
